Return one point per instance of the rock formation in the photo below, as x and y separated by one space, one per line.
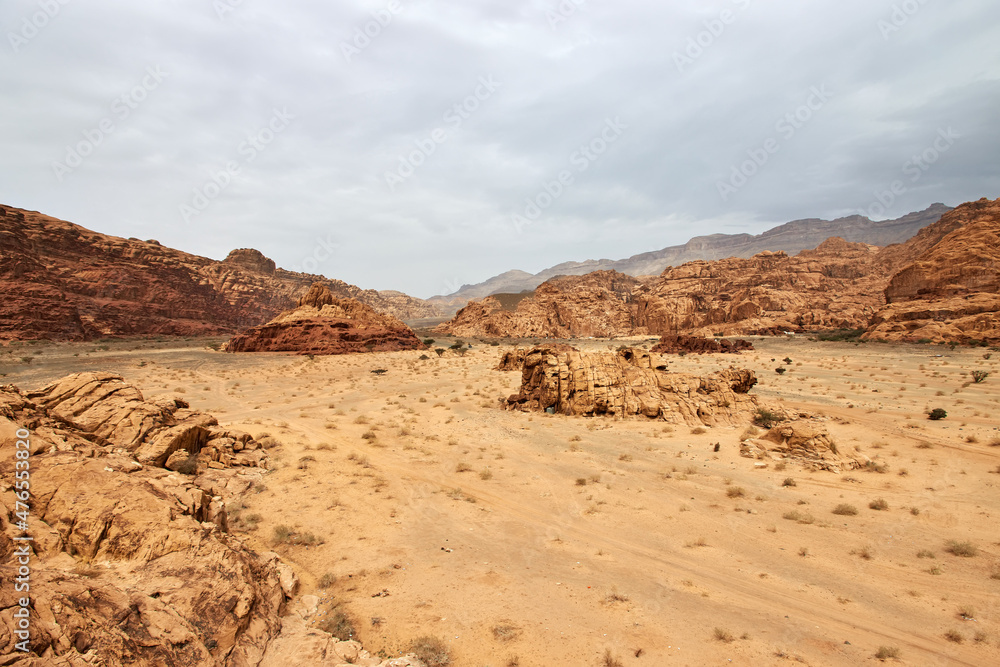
129 562
791 238
804 442
941 285
62 281
323 324
680 344
839 285
512 360
630 382
597 304
950 291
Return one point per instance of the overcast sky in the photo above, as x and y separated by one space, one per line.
419 144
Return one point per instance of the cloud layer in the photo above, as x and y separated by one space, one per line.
419 145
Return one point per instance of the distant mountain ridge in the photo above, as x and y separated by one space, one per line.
791 237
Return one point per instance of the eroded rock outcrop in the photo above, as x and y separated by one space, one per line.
630 382
681 344
951 291
65 282
596 304
324 324
803 441
130 563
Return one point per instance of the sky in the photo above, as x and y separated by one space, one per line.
420 145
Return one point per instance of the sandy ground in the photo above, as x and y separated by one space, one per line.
528 540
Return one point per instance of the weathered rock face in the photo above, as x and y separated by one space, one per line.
62 281
791 237
951 291
512 360
324 324
680 344
130 563
630 382
597 304
836 286
804 442
839 285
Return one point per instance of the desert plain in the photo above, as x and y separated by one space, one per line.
410 504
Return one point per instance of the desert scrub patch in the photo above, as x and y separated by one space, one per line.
735 492
505 631
789 482
432 651
723 635
338 624
844 509
887 653
879 505
963 549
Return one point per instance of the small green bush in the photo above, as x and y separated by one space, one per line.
936 414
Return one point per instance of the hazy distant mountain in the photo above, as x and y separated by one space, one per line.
791 237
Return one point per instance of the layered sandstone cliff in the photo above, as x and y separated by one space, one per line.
950 291
62 281
939 285
324 324
837 285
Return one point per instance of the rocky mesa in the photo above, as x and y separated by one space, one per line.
65 282
324 324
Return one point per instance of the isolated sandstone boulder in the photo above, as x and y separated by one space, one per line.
630 382
324 324
802 441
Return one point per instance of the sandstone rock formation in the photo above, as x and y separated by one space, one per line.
804 442
630 382
512 360
836 286
950 291
62 281
130 563
680 344
324 324
597 304
791 237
